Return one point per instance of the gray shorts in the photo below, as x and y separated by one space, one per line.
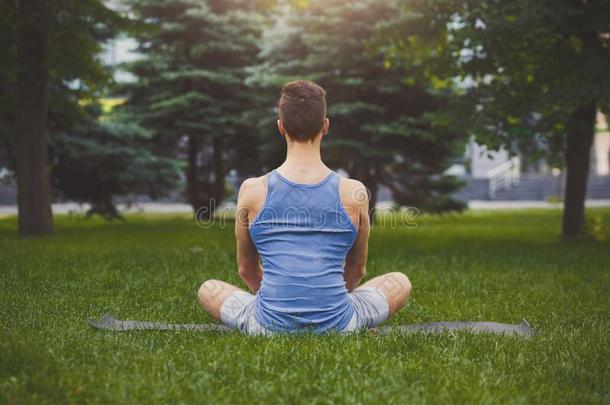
370 309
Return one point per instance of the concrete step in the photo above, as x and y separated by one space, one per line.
532 187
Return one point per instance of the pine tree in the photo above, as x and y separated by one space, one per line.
384 130
191 92
98 158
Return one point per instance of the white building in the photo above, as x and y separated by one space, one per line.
484 162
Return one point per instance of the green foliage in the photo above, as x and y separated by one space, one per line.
524 67
77 30
596 229
384 130
95 161
500 266
91 161
191 93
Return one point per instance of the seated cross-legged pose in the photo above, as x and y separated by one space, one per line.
302 240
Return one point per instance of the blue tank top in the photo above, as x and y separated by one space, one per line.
302 234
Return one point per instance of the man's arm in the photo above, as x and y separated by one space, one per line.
355 200
248 261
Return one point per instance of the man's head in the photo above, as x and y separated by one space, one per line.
302 111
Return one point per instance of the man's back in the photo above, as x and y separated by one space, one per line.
309 227
303 234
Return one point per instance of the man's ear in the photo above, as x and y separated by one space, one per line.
326 126
280 127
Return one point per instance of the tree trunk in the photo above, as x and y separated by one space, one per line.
206 193
192 184
219 172
33 180
580 133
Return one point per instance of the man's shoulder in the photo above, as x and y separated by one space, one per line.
252 189
353 192
254 182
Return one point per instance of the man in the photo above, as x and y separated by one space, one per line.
309 227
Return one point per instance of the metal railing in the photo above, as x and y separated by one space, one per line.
503 177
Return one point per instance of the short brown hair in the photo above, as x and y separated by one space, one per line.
302 109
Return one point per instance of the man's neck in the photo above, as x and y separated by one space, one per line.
303 154
303 161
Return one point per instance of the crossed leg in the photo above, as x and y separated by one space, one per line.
213 293
396 287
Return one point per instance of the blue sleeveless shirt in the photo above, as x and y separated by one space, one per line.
302 234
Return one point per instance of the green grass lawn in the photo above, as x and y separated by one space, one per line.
479 266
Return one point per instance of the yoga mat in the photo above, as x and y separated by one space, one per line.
523 329
108 322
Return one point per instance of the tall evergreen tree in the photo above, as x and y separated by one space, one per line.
96 158
191 91
384 130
